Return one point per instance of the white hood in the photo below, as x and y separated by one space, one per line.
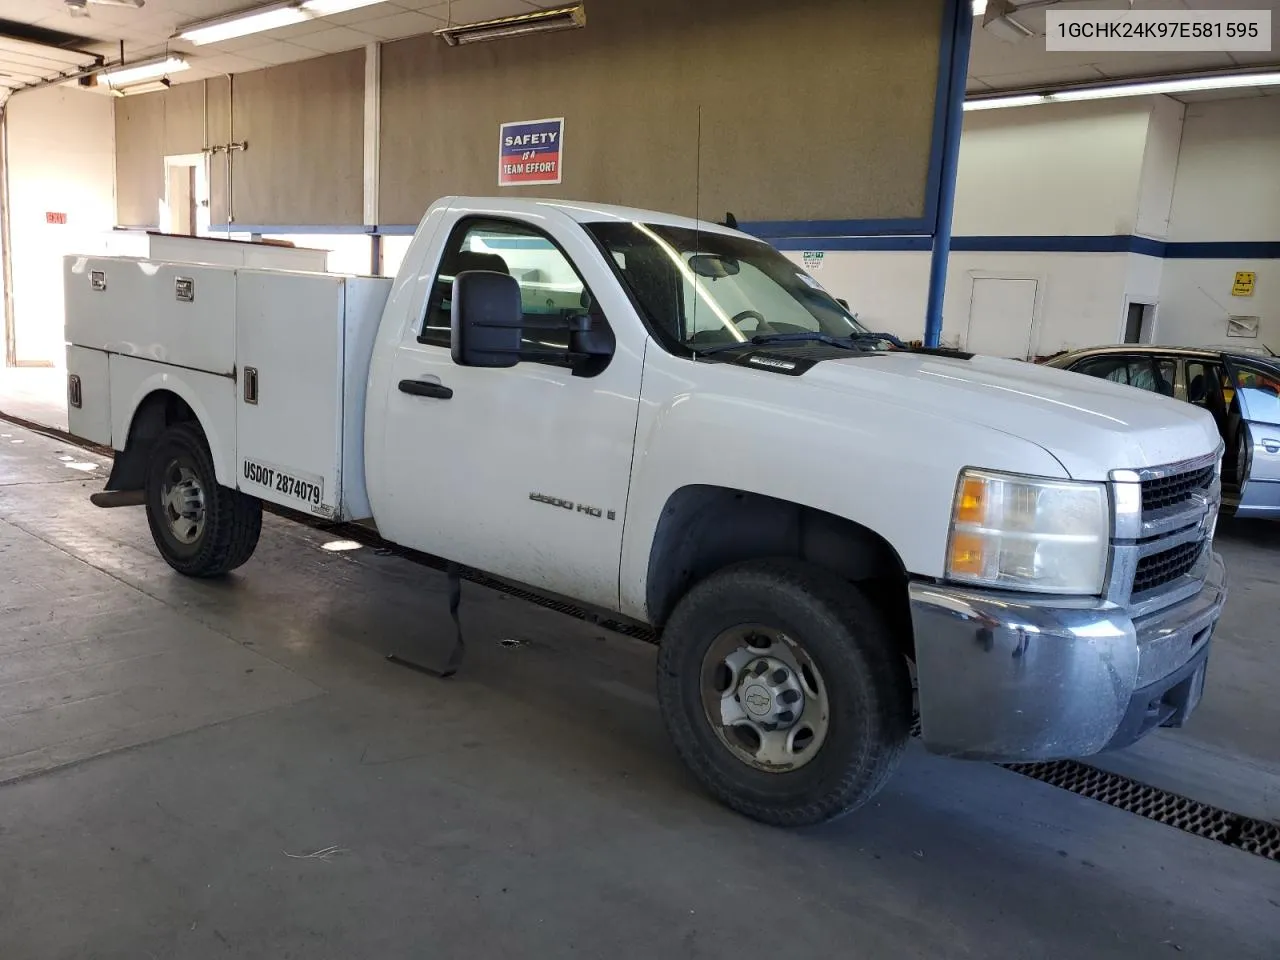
1091 426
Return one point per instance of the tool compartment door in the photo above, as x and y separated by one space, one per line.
289 353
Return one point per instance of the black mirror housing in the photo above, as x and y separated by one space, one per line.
486 319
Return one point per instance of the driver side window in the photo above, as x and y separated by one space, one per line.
551 290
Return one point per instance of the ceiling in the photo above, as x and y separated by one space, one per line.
994 64
147 31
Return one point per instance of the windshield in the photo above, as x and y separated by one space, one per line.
703 290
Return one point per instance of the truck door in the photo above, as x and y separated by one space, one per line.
522 472
1253 434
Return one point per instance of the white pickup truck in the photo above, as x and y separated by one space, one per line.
668 419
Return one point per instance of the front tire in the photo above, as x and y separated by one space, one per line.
202 529
783 692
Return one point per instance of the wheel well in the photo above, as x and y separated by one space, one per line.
157 412
704 529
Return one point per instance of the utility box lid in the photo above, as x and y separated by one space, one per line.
175 248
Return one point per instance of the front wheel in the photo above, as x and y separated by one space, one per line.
783 692
201 529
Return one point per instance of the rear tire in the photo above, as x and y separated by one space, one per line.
202 529
813 660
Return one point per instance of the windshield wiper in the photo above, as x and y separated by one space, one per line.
872 337
810 336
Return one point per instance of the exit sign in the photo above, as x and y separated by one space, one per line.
52 217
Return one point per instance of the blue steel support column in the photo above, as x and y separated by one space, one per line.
960 29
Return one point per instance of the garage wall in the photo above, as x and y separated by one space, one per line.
1033 183
304 123
705 107
60 153
1227 191
1079 297
1102 204
1159 166
1070 169
152 126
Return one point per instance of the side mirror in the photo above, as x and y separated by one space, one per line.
486 319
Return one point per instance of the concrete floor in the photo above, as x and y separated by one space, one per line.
231 769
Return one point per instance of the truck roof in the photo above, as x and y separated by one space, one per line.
586 212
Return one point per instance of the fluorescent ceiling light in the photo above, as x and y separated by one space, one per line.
266 18
324 8
1145 88
141 72
147 86
539 21
242 25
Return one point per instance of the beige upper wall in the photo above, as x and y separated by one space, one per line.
303 122
816 109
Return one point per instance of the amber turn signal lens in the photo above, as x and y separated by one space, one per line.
967 554
971 507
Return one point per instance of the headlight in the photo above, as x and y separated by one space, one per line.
1051 536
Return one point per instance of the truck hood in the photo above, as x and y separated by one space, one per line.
1091 426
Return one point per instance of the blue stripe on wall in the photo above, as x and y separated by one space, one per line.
855 243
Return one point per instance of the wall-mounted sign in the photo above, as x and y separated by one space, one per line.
1243 326
530 152
1243 286
813 259
51 217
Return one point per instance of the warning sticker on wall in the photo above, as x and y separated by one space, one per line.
813 259
530 152
1243 286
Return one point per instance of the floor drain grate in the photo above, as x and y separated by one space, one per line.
1190 816
1213 823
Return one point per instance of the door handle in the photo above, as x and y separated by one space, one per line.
1272 446
425 388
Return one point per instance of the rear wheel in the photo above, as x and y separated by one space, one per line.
202 529
784 692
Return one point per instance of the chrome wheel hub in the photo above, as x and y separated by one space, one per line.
764 698
182 501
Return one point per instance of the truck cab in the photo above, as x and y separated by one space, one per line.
667 419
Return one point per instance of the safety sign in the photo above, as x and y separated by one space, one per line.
531 152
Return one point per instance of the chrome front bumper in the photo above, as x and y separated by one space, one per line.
1008 677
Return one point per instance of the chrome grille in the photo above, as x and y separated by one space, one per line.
1162 523
1157 569
1164 492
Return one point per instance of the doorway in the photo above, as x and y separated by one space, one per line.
1139 322
185 207
1001 316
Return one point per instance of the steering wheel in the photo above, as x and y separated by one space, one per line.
761 324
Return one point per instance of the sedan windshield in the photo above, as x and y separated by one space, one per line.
703 290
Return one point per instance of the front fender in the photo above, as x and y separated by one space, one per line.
886 467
